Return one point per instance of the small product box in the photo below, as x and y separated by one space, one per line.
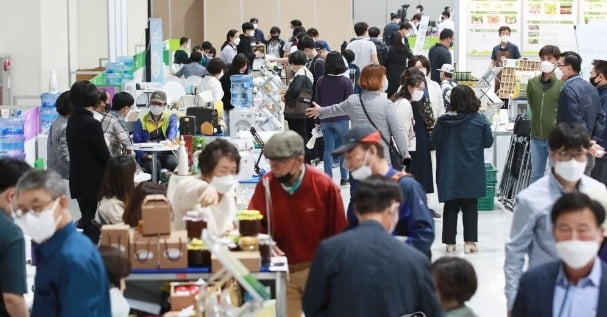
116 236
250 259
143 251
183 295
173 250
156 215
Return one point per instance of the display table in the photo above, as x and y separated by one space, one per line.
154 148
163 275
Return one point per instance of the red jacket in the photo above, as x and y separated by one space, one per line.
302 220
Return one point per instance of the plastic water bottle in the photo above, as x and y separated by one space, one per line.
241 90
48 113
12 138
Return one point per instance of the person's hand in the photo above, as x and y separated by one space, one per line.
596 150
282 97
313 112
209 197
259 54
276 251
147 156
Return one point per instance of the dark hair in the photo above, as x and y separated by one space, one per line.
572 59
312 32
296 23
247 26
230 35
447 8
600 67
297 30
253 20
570 136
417 17
445 34
375 194
102 95
132 210
206 45
121 100
334 64
83 94
360 28
379 148
423 60
297 58
118 178
274 30
504 28
213 151
446 14
572 202
239 61
420 7
455 279
196 48
550 50
183 40
212 51
405 25
63 104
215 66
374 31
117 264
394 16
411 77
11 170
306 42
463 100
396 41
349 55
195 57
371 77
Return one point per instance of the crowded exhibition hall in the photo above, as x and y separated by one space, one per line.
290 158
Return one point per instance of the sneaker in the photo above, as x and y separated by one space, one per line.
435 214
344 182
450 248
470 247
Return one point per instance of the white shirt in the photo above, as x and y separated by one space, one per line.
436 98
213 84
120 306
228 53
363 51
404 112
446 24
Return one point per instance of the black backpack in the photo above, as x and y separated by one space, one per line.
382 51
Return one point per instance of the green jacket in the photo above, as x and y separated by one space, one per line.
543 104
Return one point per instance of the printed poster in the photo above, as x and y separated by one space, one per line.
486 17
593 11
548 22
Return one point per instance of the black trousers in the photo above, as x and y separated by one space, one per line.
88 208
301 127
166 160
469 214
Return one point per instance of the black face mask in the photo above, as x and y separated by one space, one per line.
285 179
593 82
451 44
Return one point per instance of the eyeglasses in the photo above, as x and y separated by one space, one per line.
561 65
566 155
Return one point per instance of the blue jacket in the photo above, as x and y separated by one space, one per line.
143 127
579 102
415 219
460 140
536 291
603 100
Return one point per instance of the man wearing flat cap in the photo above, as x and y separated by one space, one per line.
305 207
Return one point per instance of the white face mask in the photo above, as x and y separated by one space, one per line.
577 253
362 172
251 33
156 110
220 75
41 225
547 67
255 26
571 170
237 41
384 85
505 38
224 184
424 71
417 95
558 73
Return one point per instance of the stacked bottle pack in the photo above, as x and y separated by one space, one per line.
12 138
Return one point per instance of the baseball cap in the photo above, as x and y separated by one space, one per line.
284 145
158 95
447 68
322 45
357 135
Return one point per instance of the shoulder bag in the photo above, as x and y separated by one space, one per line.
395 155
296 108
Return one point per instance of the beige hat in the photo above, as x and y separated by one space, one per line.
159 95
447 68
600 195
284 145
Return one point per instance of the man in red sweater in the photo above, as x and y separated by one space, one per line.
305 208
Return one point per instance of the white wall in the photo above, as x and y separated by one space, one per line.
137 23
377 13
92 32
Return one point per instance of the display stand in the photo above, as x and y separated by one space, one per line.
490 102
270 116
517 170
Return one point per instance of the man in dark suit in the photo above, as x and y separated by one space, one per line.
88 154
366 271
577 284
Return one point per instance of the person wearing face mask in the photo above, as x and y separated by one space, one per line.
530 235
306 207
598 77
543 96
274 44
211 82
579 102
396 62
258 34
406 30
219 164
439 54
303 79
155 126
70 276
103 106
228 49
504 50
576 284
246 38
363 152
12 242
433 92
114 125
446 23
376 201
411 88
460 138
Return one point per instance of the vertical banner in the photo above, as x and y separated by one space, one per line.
486 17
421 36
156 50
548 22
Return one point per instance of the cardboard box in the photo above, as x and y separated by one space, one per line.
156 215
173 250
181 300
250 259
116 236
143 251
88 73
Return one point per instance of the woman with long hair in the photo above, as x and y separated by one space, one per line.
117 185
132 211
396 62
228 49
